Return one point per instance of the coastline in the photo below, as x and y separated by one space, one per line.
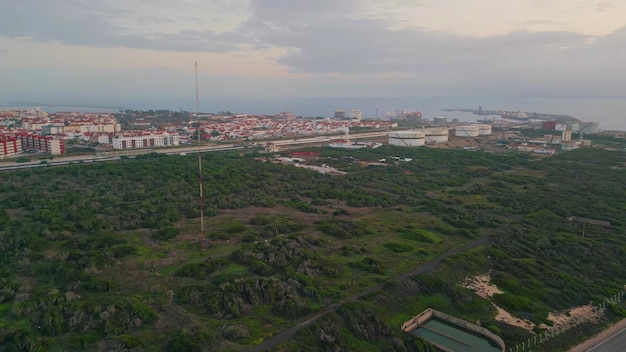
601 337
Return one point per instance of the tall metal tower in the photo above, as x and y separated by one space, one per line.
199 161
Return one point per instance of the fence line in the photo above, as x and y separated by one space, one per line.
526 346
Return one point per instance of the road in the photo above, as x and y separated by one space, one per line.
111 155
612 339
614 343
424 268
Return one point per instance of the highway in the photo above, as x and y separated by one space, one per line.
118 154
616 342
111 156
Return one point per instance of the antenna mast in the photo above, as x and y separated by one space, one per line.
199 160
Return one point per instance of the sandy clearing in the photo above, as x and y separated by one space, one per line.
483 287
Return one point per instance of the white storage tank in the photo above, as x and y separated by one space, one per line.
436 135
467 131
484 130
407 138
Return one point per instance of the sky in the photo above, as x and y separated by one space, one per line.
119 50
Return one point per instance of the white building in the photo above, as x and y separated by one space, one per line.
356 114
163 139
104 139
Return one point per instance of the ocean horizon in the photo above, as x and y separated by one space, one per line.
609 112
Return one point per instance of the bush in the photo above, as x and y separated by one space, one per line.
419 235
343 228
369 265
398 247
184 343
165 234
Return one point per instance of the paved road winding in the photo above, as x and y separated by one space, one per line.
287 334
614 337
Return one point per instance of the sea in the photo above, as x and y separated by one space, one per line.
609 112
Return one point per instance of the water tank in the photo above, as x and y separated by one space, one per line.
484 129
436 135
407 138
467 131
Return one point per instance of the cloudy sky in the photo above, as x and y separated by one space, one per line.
59 50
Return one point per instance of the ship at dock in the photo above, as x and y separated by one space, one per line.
518 115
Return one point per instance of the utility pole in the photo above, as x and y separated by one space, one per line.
199 161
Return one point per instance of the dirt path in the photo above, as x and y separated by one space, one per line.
424 268
601 337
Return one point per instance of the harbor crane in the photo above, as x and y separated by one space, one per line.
586 221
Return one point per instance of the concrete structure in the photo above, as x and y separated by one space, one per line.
566 136
407 138
436 135
462 334
356 114
440 120
103 139
340 114
147 141
467 131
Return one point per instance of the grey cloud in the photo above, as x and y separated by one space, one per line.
303 11
522 62
326 37
78 22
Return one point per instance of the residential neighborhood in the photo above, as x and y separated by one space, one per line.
35 130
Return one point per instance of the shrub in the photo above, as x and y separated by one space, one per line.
398 247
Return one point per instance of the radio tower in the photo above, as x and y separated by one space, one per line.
199 160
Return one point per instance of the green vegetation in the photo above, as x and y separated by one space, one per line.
108 255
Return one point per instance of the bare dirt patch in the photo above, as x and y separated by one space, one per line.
569 318
483 287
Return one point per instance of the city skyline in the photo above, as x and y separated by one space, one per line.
71 50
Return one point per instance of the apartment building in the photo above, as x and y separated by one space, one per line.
156 140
